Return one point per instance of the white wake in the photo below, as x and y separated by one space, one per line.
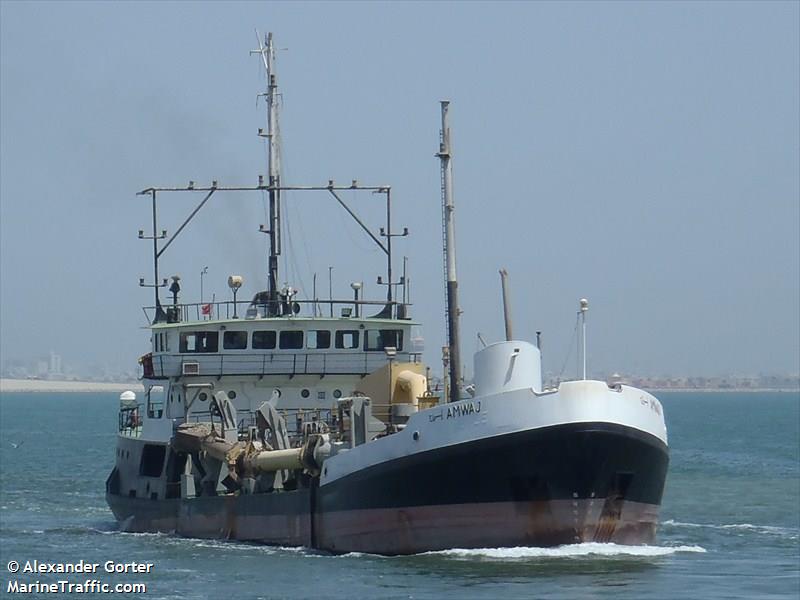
569 551
762 529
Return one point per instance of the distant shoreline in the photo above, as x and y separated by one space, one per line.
44 385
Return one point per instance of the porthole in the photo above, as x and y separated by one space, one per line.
337 394
231 394
203 396
305 393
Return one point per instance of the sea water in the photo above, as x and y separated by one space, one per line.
730 520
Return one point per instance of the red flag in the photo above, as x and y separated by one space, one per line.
206 309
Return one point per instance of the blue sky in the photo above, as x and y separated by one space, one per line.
642 155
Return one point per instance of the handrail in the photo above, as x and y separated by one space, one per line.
130 420
293 417
193 311
261 364
285 363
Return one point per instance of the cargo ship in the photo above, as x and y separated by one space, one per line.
305 422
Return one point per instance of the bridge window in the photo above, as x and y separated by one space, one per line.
199 341
264 340
155 402
378 339
318 339
291 340
234 340
347 339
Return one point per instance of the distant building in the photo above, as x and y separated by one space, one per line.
54 370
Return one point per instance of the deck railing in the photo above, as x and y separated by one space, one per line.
245 309
272 363
294 418
130 420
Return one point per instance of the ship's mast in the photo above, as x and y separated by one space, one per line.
453 312
274 306
267 52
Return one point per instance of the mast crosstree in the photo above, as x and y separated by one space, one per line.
272 297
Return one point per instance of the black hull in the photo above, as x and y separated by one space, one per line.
544 487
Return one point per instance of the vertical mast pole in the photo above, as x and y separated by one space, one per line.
267 53
274 175
155 259
453 336
389 243
405 279
584 307
583 319
506 304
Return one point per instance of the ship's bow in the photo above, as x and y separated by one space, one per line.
587 463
